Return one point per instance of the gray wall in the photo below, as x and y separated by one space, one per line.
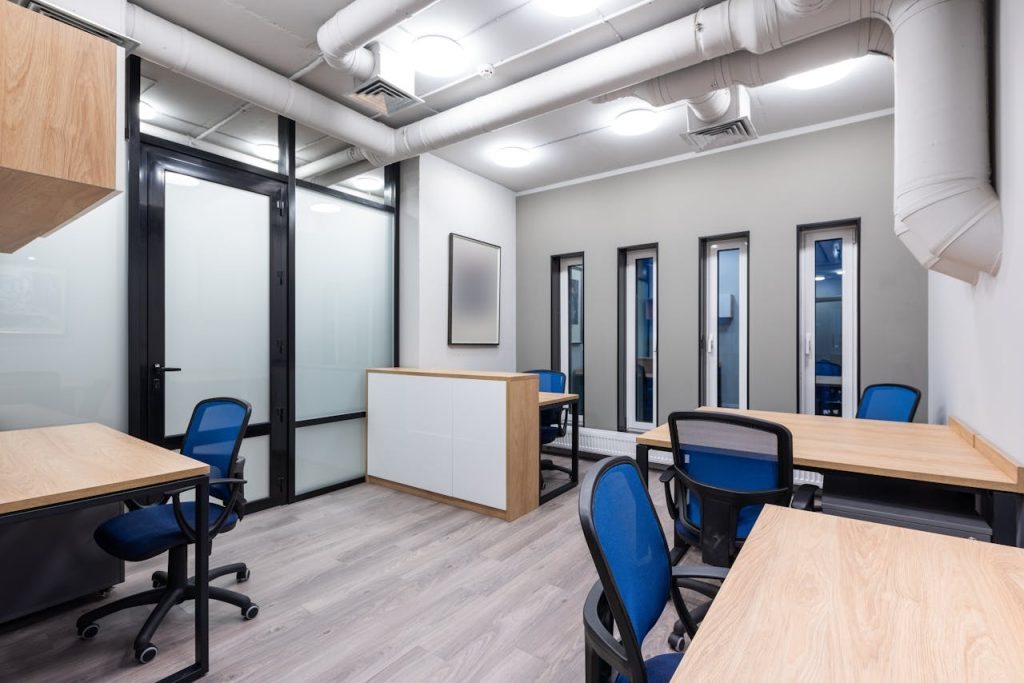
766 189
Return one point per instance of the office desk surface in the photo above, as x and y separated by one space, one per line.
548 398
935 453
51 465
819 598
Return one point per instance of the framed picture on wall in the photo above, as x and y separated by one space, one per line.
474 292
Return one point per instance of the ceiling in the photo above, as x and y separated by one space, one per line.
520 38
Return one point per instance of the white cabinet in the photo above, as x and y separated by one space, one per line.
448 433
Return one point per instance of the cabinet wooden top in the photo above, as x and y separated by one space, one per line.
458 374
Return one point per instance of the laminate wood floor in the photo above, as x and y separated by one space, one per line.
365 584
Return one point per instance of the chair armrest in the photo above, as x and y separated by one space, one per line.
233 480
694 578
803 499
666 478
598 626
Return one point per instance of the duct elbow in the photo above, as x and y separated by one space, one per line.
960 235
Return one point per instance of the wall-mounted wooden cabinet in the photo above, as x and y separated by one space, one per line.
58 124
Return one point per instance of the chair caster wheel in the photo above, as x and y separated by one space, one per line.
158 580
146 654
243 576
249 613
89 631
677 642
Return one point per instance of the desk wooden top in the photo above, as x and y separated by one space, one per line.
458 374
935 453
49 465
819 598
548 398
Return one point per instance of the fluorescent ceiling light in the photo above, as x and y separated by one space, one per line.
635 122
570 8
438 56
325 207
368 183
180 180
147 112
266 151
819 78
839 272
819 278
512 157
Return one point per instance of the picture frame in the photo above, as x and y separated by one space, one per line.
474 292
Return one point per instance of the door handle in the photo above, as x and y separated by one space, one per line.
711 343
160 368
807 344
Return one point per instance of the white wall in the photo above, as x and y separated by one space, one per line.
976 360
439 198
63 305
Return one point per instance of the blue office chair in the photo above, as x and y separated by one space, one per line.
726 468
635 577
828 397
553 421
892 402
214 436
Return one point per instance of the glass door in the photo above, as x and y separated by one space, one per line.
725 323
217 238
571 325
828 321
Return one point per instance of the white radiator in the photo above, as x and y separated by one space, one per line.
609 443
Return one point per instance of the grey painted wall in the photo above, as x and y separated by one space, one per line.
768 189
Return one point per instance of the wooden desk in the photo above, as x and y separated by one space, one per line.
820 598
950 455
549 400
51 470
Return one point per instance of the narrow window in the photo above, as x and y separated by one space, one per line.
570 324
828 320
639 322
724 333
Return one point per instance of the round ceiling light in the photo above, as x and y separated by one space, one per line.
368 183
438 56
147 112
570 8
266 151
325 207
180 180
512 157
635 122
819 78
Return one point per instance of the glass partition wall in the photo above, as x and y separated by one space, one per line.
246 282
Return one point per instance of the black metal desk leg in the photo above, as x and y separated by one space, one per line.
1006 511
641 460
202 575
575 477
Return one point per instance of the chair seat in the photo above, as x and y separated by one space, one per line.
745 522
660 668
548 433
141 534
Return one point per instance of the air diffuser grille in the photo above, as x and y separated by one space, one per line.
383 97
722 134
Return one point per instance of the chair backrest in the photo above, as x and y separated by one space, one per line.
550 380
215 434
628 549
893 402
827 368
730 466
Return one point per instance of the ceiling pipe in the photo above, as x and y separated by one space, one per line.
346 157
340 174
182 51
711 106
343 37
947 212
752 70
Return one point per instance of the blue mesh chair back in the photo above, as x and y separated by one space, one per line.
729 466
214 436
893 402
628 548
554 382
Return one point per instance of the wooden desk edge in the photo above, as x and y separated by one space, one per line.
491 375
553 397
1002 461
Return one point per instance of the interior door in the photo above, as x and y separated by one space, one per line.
217 241
725 324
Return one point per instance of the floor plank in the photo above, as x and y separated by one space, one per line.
364 584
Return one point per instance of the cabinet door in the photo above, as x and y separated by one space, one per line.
410 431
479 459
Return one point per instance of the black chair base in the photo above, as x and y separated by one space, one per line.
170 588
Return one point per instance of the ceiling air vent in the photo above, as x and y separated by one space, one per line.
390 88
733 127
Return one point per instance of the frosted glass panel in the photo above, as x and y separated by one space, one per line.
63 325
256 451
344 298
217 260
473 302
329 454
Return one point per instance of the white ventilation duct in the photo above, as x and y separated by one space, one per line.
345 157
185 52
343 37
947 212
710 106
